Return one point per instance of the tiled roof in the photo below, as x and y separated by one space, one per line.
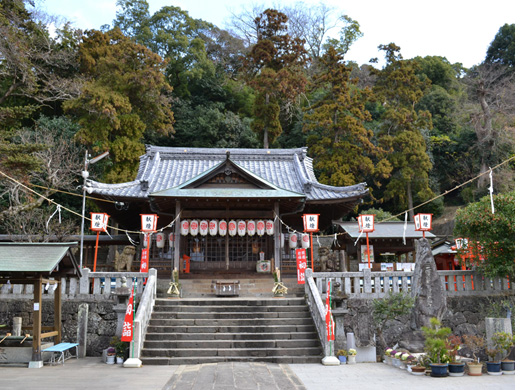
163 168
384 230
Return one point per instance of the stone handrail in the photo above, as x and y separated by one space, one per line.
142 317
352 284
91 285
317 309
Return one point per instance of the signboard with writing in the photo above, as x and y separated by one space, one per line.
99 222
310 223
301 264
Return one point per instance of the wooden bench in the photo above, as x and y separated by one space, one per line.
62 350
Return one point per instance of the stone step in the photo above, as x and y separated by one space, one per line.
226 322
228 315
230 344
285 301
221 359
232 329
233 336
261 287
160 308
232 352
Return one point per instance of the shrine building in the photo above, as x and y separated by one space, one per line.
224 209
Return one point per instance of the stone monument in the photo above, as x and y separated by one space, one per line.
427 287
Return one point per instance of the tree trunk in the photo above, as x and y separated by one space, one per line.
410 200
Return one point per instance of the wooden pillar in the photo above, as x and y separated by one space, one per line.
57 312
227 251
277 235
177 237
37 321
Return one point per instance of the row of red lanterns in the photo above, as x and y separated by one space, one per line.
223 227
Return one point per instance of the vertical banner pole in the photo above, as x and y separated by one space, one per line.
312 255
368 253
95 253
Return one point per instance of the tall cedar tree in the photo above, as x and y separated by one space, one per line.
275 67
123 98
400 132
338 141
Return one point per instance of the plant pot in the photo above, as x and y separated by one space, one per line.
475 369
439 370
120 360
111 359
508 367
494 368
342 359
456 369
351 359
418 370
396 362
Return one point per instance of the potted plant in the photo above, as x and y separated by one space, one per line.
352 356
386 357
504 342
493 366
455 366
121 349
435 346
475 344
419 368
342 356
111 355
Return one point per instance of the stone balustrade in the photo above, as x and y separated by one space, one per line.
91 285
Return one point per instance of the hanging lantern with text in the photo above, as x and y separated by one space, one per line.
148 223
159 240
185 227
293 240
203 228
194 227
269 227
171 238
423 222
260 228
241 228
213 227
282 240
310 223
99 222
222 228
251 228
366 225
305 240
232 228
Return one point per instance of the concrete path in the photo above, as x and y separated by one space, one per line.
92 374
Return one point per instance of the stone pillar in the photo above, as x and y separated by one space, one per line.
123 295
427 287
17 326
494 325
82 329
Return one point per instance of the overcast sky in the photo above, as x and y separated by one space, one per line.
459 30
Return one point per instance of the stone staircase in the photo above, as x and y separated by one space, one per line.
249 287
210 330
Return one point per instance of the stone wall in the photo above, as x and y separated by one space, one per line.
102 320
464 315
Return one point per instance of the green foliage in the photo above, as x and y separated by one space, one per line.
503 342
275 71
122 100
339 142
388 308
502 49
436 341
402 127
491 236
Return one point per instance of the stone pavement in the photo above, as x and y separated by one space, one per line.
92 374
